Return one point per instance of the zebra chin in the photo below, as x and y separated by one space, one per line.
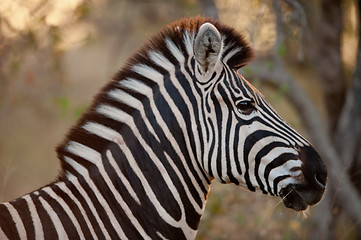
310 189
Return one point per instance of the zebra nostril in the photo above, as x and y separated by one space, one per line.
321 179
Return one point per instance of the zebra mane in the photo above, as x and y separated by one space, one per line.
235 53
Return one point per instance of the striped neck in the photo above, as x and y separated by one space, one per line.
139 145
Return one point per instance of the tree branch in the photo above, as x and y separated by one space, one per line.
349 127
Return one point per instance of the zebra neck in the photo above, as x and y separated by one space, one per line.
81 207
151 176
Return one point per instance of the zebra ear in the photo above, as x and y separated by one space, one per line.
207 46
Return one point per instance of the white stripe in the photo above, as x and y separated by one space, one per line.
95 157
223 141
113 113
17 220
136 86
85 152
278 121
38 227
147 71
199 210
256 148
129 100
125 98
76 166
66 190
2 234
124 206
193 124
174 50
161 60
85 195
66 208
161 236
133 163
231 54
59 228
111 135
188 38
285 170
267 159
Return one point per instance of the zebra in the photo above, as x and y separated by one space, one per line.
139 163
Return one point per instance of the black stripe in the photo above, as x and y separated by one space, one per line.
289 132
219 117
86 207
94 173
227 149
21 206
263 152
284 157
7 224
166 146
75 210
46 222
170 120
211 148
236 144
277 180
249 142
152 174
63 216
154 222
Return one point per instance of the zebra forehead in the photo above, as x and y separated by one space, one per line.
175 39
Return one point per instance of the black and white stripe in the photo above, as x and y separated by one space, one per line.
139 163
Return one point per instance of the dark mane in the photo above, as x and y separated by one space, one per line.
175 32
234 45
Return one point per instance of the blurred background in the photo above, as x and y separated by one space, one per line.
56 55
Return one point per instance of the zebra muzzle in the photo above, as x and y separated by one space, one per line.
311 189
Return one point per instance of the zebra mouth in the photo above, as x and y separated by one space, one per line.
292 199
311 186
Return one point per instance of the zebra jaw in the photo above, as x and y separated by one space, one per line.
292 199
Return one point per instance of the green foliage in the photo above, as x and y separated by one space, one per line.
241 219
257 221
30 38
83 10
15 64
63 103
283 89
287 236
214 206
281 92
247 71
270 65
55 35
281 50
79 110
67 110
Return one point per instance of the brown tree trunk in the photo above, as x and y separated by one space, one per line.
348 135
322 37
330 61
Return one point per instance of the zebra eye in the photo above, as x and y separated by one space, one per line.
245 106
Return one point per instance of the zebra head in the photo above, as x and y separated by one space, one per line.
245 141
